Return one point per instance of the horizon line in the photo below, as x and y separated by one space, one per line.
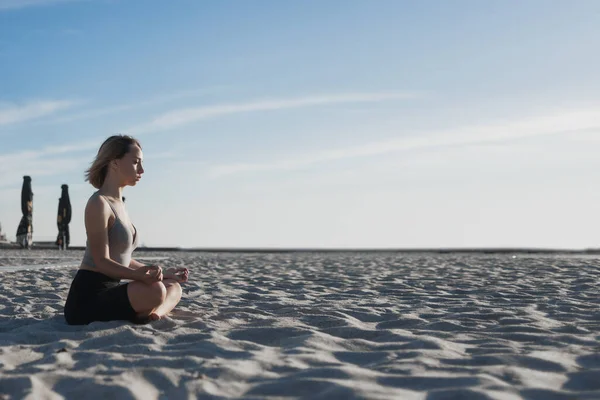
47 245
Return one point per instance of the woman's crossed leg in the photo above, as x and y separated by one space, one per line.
153 301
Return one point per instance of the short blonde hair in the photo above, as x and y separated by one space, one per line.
113 148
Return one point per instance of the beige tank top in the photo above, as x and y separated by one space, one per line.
122 240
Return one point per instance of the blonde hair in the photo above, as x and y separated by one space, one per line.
113 148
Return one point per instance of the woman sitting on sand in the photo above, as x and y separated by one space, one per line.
96 293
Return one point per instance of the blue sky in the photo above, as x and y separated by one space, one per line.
311 123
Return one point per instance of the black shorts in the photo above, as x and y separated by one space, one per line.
96 297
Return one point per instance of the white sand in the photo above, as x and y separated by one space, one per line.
323 326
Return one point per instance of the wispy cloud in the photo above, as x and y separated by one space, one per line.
177 118
15 4
562 122
41 167
161 99
27 155
13 113
43 162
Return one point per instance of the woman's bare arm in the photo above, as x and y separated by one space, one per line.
134 264
97 215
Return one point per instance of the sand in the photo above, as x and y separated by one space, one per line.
319 326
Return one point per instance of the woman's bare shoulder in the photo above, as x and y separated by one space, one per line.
94 201
96 205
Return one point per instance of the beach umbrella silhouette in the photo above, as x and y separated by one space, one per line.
25 229
63 219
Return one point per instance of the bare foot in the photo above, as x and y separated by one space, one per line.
144 319
154 317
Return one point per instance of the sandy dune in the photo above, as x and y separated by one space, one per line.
320 326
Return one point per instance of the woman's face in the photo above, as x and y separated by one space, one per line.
130 166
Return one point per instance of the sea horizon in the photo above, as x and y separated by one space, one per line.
46 245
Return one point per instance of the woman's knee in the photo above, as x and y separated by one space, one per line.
173 287
144 297
176 288
157 293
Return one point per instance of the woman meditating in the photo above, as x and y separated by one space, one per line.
96 293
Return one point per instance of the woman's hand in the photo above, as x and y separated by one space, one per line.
178 274
149 274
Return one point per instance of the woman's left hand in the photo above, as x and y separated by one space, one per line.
178 274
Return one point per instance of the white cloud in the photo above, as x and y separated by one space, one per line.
565 122
40 168
186 116
11 113
28 155
42 162
15 4
135 105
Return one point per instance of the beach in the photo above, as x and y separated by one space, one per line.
314 325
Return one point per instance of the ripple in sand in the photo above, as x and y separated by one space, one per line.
323 326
